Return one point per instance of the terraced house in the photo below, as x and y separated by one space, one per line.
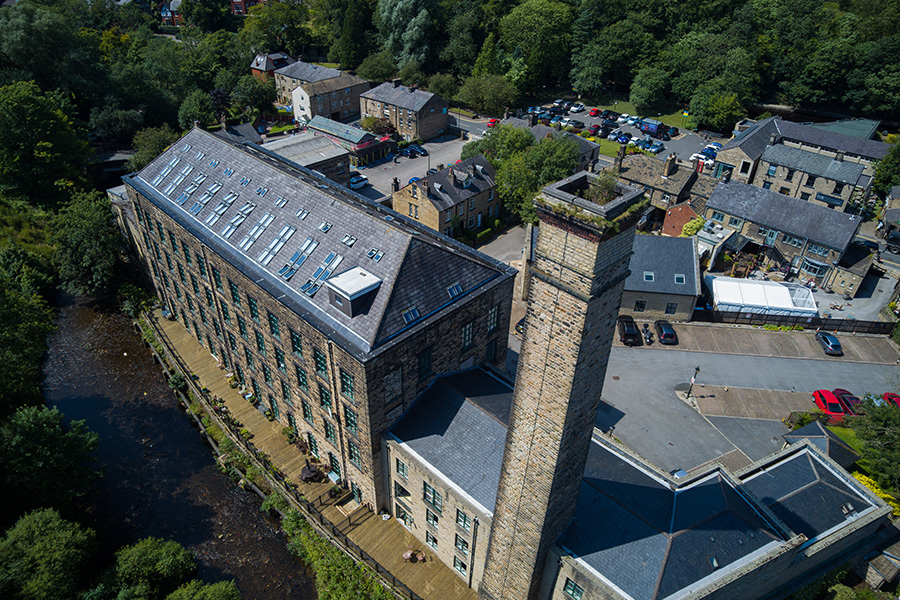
334 311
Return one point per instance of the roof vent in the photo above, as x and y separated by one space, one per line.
713 562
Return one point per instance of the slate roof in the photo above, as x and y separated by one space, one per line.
325 86
664 257
646 171
754 139
245 132
585 146
860 128
826 441
412 99
305 148
306 72
820 225
458 425
808 494
354 135
277 194
814 164
268 62
651 538
445 188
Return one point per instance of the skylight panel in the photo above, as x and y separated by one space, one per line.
178 179
371 253
410 315
322 273
454 290
186 148
297 260
378 255
229 172
223 206
245 181
280 202
272 249
257 231
324 226
200 155
166 170
262 191
214 163
209 193
302 214
200 178
182 198
348 240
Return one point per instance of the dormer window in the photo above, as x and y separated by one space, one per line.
410 315
454 290
648 276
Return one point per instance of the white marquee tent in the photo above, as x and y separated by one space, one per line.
762 297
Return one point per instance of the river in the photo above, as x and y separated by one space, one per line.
160 477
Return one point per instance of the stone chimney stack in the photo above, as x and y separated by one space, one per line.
839 156
671 163
773 139
395 82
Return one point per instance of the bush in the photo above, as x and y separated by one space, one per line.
876 489
274 502
482 236
177 382
498 225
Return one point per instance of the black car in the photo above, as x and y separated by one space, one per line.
609 123
628 331
408 153
418 149
605 114
557 110
665 333
576 124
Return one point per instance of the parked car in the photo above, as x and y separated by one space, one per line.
715 145
413 179
566 104
892 398
828 404
534 110
611 123
565 121
557 110
612 115
709 153
829 343
418 149
577 107
492 122
558 102
623 139
545 116
673 131
628 331
633 119
358 182
663 136
576 124
614 135
623 118
593 129
665 333
850 404
594 112
707 161
430 172
656 147
407 153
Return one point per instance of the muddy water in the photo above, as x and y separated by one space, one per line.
160 477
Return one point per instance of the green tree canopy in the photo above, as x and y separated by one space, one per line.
443 85
251 94
407 28
277 26
197 590
208 15
149 143
352 45
649 88
462 47
521 176
88 243
46 462
154 567
489 94
115 125
879 430
377 68
887 172
44 557
198 106
542 31
504 142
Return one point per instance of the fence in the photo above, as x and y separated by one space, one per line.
222 417
842 325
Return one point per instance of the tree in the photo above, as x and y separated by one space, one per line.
887 172
277 26
43 153
208 15
406 27
44 557
197 590
149 143
517 187
488 60
552 158
521 176
879 431
87 241
154 567
649 88
723 111
251 94
443 85
504 142
25 321
462 46
490 94
411 74
26 271
197 107
115 125
541 29
46 463
351 47
377 68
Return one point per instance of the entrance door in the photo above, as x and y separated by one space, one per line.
479 219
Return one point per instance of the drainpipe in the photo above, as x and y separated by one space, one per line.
474 546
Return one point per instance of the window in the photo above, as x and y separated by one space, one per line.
306 409
413 209
274 404
187 253
573 590
425 363
321 362
463 520
671 307
260 343
431 540
790 175
784 191
273 325
767 185
745 167
431 518
240 373
459 565
235 293
409 315
354 453
810 180
330 433
242 327
640 305
680 278
190 302
351 421
492 318
334 464
217 278
467 335
267 373
208 294
202 315
301 379
225 314
194 284
821 251
346 385
169 260
279 360
462 545
431 496
792 241
249 357
772 170
286 393
401 469
232 343
324 398
648 276
296 346
838 188
201 265
254 309
313 445
471 203
734 222
717 216
804 196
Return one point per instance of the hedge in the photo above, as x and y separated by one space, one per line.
483 235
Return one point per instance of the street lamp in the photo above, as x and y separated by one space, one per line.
693 380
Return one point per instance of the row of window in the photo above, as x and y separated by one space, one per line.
641 306
771 235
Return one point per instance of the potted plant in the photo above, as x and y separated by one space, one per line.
333 491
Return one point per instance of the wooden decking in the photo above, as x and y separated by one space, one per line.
383 541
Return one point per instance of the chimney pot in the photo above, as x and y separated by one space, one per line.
839 156
396 83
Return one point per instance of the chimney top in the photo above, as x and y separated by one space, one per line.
395 83
839 156
669 167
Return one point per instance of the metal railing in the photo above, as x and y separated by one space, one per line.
841 325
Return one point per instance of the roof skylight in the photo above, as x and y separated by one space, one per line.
272 249
224 205
166 170
348 240
410 315
201 202
454 290
297 260
324 226
237 219
257 231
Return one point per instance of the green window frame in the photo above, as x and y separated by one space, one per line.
202 314
468 335
162 236
296 343
256 391
306 409
177 289
225 314
274 404
324 397
190 302
194 283
401 469
573 590
462 545
267 373
217 279
156 251
187 252
208 294
174 243
166 282
463 520
242 327
431 540
279 360
181 274
286 392
260 343
197 332
432 496
235 293
302 380
313 445
254 308
492 318
334 463
217 328
273 325
239 372
232 343
168 261
201 266
346 384
330 432
321 362
249 356
353 451
459 565
351 421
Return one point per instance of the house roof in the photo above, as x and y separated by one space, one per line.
353 135
270 62
585 146
660 259
818 165
820 225
306 72
863 129
826 441
410 98
754 139
458 426
324 86
305 148
245 132
248 205
446 188
646 171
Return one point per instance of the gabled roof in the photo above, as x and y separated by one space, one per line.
270 62
826 441
458 426
410 98
754 140
268 217
820 225
306 72
245 132
446 188
646 171
351 134
305 148
585 146
818 165
325 86
656 262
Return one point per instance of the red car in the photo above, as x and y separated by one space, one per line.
828 404
594 129
892 398
850 404
595 112
492 122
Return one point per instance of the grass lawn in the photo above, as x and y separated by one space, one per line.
607 147
849 437
673 118
280 128
328 64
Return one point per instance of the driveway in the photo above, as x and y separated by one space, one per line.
441 151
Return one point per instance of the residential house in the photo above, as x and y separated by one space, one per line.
416 114
588 151
363 146
290 77
665 279
169 13
336 98
461 196
242 7
264 65
890 214
317 152
333 311
811 239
